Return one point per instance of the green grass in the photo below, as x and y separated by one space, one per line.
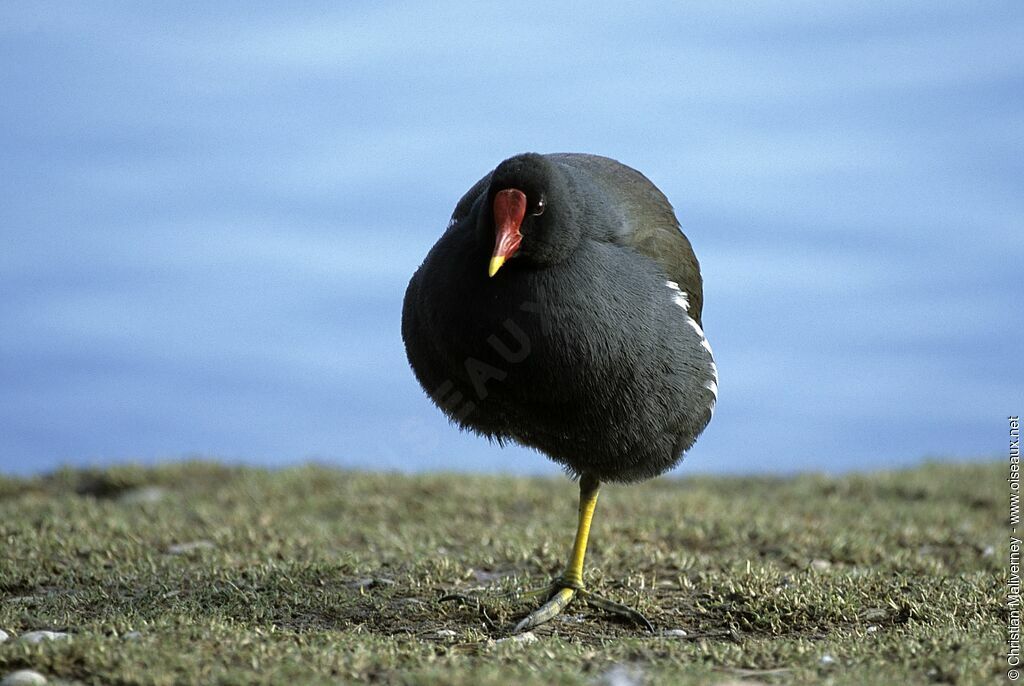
315 575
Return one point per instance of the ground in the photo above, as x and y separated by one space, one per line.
200 573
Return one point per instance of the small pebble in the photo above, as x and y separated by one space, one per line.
40 636
873 628
827 659
525 638
572 619
190 547
23 677
820 565
674 633
3 636
446 633
989 551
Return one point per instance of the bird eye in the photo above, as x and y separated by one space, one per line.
538 207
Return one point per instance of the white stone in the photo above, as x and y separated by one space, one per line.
3 636
23 677
446 633
827 659
674 633
571 619
40 636
190 547
525 638
820 565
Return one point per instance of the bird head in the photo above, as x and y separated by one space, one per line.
531 212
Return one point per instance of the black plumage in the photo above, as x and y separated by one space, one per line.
587 343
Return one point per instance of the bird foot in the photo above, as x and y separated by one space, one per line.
489 603
560 597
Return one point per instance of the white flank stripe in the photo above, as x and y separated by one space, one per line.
713 387
683 301
680 298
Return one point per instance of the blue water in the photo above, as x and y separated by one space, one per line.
209 214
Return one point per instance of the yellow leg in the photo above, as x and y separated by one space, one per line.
571 581
589 488
570 584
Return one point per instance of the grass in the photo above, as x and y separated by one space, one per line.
314 575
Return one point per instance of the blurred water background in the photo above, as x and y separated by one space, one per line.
209 212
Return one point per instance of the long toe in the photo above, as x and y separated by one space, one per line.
492 606
617 609
548 611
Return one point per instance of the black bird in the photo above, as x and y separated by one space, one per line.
561 310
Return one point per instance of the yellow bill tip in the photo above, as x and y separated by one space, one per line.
495 265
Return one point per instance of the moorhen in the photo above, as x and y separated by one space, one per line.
561 310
